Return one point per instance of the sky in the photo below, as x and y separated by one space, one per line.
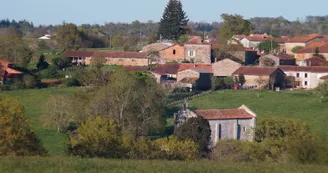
45 12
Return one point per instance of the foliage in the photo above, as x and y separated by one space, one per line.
30 81
98 61
241 79
290 82
42 44
296 48
13 49
16 137
232 25
274 128
117 41
68 37
183 39
268 46
42 63
140 148
57 112
49 73
97 137
323 90
61 62
174 21
196 129
172 149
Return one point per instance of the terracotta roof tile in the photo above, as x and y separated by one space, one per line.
175 68
318 69
135 68
303 39
322 46
71 53
216 114
316 61
324 77
258 71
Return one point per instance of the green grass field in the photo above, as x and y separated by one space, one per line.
68 164
302 105
33 101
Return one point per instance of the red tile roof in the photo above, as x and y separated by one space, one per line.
303 39
197 40
322 46
135 68
324 77
216 114
257 71
111 54
318 69
4 64
175 68
316 61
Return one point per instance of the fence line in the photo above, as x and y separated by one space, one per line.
190 97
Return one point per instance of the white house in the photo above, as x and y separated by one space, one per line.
306 76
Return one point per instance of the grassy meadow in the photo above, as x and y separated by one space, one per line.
302 105
68 164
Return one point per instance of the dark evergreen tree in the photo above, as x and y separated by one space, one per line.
42 63
197 130
174 21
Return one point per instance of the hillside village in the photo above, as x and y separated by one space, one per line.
225 93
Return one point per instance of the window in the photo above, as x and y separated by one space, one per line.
174 52
297 74
192 53
305 83
244 129
305 75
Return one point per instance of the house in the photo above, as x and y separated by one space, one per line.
302 41
308 51
112 58
45 37
260 77
7 73
314 61
306 76
198 51
155 47
172 53
273 60
237 53
253 40
236 124
196 78
281 41
236 39
225 67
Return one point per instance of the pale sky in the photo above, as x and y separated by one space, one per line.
101 11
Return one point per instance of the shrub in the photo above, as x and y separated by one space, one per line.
196 129
30 81
296 48
139 148
172 149
16 137
61 62
49 73
97 137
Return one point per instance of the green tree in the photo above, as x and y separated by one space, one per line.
117 41
183 39
268 46
323 90
196 129
42 63
296 48
241 79
174 21
98 61
16 137
97 137
68 37
13 49
232 25
61 62
42 45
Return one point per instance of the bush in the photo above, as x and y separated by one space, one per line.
196 129
296 48
16 137
49 73
30 81
172 149
96 138
140 148
61 62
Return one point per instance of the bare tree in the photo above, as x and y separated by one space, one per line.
261 82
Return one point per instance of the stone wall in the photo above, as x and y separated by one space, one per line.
127 61
202 53
225 67
173 53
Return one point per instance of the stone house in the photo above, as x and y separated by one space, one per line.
308 51
225 67
280 59
270 76
302 41
195 78
306 76
238 124
237 53
113 58
314 61
253 40
172 53
198 52
155 47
